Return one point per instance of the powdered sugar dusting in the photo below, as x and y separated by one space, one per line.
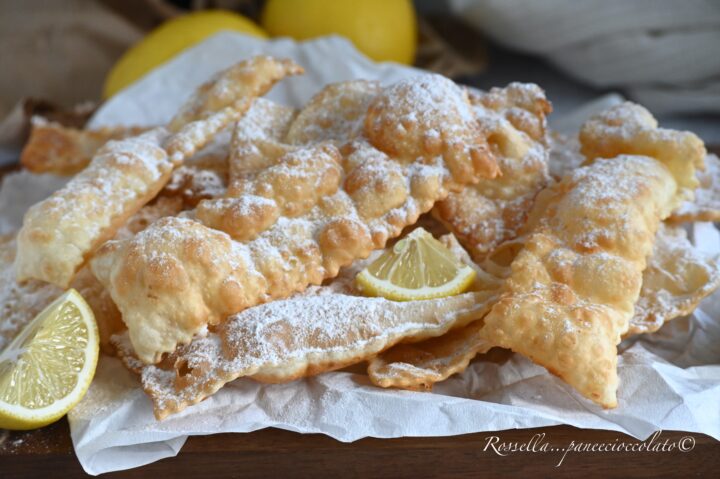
264 120
20 302
335 114
603 206
425 96
123 175
565 155
706 206
677 277
281 339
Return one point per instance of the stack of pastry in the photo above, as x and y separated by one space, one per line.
209 256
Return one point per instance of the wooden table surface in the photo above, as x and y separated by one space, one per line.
271 453
275 453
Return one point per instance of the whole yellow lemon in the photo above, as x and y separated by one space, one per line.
171 38
385 30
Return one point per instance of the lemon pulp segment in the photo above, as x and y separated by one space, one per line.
416 267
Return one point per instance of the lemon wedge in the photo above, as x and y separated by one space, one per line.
48 367
416 267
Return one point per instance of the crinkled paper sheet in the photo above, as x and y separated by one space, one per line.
669 380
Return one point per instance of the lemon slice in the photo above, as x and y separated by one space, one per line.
48 367
416 267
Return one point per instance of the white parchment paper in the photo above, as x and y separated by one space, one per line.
669 380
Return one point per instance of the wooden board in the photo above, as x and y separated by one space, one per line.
274 453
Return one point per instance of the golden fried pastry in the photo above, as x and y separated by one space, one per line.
258 138
222 100
706 206
485 214
377 195
573 286
257 145
287 339
107 316
335 114
623 130
324 328
110 320
565 156
677 278
53 148
290 187
419 365
629 129
61 232
281 165
428 117
201 177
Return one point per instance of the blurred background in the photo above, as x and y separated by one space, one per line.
61 58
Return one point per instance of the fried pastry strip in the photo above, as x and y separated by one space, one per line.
385 186
61 232
573 287
258 138
335 114
292 186
255 146
283 168
485 214
106 313
565 156
677 278
222 100
296 337
706 206
419 365
629 129
203 176
53 148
